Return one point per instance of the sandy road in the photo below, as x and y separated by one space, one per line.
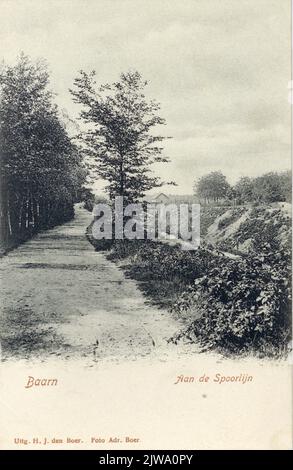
61 298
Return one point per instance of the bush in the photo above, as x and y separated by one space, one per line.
243 305
162 261
164 272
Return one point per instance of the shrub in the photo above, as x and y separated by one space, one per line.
242 304
162 261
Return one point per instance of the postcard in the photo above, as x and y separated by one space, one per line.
145 205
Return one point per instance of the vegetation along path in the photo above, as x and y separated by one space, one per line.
62 298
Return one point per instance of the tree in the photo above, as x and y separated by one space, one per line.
244 189
268 188
118 141
41 168
212 186
286 183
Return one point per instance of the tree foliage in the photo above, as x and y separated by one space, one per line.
244 189
119 142
213 186
41 169
267 188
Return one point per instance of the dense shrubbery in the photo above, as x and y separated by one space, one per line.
164 272
161 261
242 305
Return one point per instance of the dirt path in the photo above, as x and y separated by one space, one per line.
61 298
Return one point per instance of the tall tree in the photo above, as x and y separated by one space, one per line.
40 167
212 186
269 188
119 133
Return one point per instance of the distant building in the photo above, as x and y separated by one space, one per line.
163 198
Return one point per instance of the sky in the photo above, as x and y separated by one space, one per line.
220 70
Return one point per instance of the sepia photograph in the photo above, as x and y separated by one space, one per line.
146 224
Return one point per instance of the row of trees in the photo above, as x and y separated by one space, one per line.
41 169
270 187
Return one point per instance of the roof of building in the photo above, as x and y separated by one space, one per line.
172 197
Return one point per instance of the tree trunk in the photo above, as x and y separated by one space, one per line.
9 217
32 212
20 215
121 174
